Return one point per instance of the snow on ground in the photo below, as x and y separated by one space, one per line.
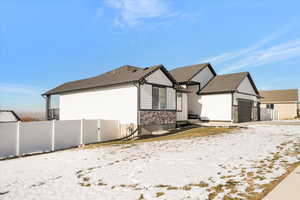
235 165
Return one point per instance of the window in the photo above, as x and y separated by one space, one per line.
270 106
179 101
159 98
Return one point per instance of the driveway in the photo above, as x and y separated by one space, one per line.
237 165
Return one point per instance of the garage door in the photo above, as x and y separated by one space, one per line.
245 111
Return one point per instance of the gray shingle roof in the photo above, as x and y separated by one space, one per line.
226 83
124 74
186 73
279 95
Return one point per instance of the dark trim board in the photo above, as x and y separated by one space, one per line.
220 92
227 92
248 100
158 85
163 110
189 83
247 94
216 120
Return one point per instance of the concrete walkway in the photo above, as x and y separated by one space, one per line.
288 189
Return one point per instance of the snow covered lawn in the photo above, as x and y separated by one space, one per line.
236 165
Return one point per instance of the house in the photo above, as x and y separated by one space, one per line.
228 97
285 102
8 116
146 98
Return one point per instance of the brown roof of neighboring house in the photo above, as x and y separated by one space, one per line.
124 74
186 73
279 95
227 83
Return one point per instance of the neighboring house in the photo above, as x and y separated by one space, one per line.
285 102
228 97
8 116
144 97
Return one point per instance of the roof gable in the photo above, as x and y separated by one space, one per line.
227 83
246 87
159 77
187 73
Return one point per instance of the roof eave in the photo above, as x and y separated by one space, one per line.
87 88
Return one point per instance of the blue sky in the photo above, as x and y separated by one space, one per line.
46 43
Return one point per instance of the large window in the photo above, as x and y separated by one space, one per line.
179 101
159 98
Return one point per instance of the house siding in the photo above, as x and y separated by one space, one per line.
182 114
246 87
146 96
203 77
171 99
158 77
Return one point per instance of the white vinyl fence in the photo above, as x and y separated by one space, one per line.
268 114
22 138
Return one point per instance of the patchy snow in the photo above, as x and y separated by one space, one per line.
236 165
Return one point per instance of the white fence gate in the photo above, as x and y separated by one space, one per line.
268 114
23 138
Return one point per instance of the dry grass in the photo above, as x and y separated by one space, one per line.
192 133
159 194
30 119
267 188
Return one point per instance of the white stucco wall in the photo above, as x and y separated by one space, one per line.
158 77
246 87
114 103
203 77
183 114
216 107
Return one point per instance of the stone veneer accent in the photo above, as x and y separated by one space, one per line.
157 117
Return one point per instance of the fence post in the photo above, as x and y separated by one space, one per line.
18 139
99 130
81 132
53 136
